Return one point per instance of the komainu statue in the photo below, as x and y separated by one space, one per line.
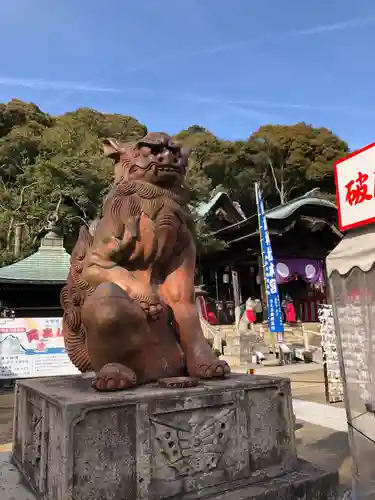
129 307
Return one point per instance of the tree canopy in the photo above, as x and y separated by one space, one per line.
48 162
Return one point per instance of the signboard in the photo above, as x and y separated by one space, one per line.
236 289
357 351
355 188
331 362
275 317
237 298
33 347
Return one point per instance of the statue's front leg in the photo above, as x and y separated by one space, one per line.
178 292
115 326
201 361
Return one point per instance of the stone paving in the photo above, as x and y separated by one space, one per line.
326 448
6 416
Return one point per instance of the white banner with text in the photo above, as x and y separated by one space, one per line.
33 347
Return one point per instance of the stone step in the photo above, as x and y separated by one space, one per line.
233 351
241 340
306 481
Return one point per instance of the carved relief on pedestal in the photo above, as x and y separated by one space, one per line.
196 444
198 448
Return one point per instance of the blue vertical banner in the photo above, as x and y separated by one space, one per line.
275 317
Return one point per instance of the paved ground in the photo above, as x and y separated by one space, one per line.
321 428
6 416
326 448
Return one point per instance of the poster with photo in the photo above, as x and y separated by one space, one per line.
33 347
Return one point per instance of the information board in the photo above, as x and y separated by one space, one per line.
33 347
355 331
333 380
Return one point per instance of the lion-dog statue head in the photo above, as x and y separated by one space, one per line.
154 159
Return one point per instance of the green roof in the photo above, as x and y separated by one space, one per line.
49 265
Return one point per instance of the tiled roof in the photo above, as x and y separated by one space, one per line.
284 211
204 208
50 264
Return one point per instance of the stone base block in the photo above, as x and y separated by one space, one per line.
235 435
306 482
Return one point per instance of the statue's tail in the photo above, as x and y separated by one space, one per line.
72 297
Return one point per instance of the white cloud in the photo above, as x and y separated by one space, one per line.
41 84
237 106
313 31
350 110
324 28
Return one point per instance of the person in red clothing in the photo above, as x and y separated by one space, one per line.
289 310
250 315
290 313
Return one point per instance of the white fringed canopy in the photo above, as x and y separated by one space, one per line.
356 249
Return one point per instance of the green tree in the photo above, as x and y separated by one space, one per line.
295 159
53 162
201 141
48 162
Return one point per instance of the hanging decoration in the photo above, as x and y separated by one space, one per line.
308 269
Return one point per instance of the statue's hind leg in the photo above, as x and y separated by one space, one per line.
112 321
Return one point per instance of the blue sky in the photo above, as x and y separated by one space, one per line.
228 65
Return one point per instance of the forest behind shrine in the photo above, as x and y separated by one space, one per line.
49 162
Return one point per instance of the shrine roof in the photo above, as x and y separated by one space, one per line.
48 265
204 209
288 209
306 205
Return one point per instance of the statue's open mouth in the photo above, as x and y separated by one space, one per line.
168 170
166 175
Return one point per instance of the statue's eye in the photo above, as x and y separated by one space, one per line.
145 151
156 149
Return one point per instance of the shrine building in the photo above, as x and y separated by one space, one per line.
302 231
31 287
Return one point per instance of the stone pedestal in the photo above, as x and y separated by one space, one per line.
229 440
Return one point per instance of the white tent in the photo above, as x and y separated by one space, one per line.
351 273
356 249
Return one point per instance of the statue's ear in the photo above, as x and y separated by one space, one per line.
185 153
112 148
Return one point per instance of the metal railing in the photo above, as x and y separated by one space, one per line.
211 333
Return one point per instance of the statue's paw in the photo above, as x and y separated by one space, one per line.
114 377
152 311
209 368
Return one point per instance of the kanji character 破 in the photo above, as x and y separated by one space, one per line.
359 193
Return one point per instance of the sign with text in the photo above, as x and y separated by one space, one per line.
33 347
355 188
275 317
331 361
